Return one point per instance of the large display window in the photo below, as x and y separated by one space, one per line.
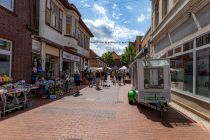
182 72
203 72
52 67
68 67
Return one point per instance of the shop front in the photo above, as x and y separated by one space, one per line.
70 63
52 62
36 61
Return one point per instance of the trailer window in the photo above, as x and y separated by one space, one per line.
153 78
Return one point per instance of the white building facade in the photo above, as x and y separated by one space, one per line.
62 42
181 32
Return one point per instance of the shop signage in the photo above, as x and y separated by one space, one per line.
71 57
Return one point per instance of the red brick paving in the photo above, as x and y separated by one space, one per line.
66 119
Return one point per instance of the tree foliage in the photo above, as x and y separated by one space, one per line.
129 54
108 59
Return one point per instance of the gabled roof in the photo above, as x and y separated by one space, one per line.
115 55
85 27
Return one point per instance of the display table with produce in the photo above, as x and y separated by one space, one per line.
15 96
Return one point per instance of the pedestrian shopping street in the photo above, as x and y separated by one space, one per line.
104 69
100 115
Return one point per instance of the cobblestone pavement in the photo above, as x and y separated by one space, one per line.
99 115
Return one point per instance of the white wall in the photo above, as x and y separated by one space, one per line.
47 32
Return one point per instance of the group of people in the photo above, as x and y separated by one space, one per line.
118 77
97 78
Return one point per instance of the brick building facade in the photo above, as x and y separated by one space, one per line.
117 62
95 60
14 30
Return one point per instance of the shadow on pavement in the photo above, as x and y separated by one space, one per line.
172 118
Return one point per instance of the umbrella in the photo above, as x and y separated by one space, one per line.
123 68
100 68
109 68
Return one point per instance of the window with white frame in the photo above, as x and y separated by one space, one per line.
68 25
54 16
5 57
7 4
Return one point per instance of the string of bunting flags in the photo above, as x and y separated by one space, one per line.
108 42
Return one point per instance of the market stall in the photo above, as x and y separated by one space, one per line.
14 96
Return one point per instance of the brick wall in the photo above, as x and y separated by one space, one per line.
13 27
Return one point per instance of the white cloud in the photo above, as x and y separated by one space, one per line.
114 6
141 18
100 9
128 7
106 29
86 5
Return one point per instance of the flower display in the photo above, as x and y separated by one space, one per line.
1 79
6 79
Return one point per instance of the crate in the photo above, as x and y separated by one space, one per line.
52 97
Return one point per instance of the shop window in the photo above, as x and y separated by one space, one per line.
188 46
203 40
7 4
52 67
203 72
182 72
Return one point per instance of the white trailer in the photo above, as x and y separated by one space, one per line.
151 83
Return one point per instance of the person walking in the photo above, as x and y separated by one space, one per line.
90 78
119 77
67 81
77 81
124 77
98 77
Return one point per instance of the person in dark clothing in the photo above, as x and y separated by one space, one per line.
98 77
77 81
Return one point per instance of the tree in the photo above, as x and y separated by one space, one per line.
124 60
107 57
129 54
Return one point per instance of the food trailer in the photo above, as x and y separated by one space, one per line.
151 83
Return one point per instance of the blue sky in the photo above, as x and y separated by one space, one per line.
114 20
